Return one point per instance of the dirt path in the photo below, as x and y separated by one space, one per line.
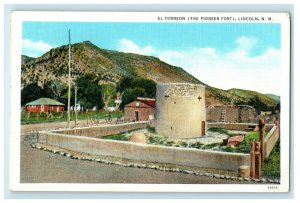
39 166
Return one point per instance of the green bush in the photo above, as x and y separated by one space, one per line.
271 165
219 130
121 137
151 129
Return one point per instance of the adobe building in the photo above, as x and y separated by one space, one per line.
140 110
46 105
232 114
180 110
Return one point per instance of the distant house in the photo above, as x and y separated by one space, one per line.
140 110
44 105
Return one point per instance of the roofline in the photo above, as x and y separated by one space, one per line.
183 83
138 106
60 104
145 98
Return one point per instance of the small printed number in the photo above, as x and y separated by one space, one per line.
273 187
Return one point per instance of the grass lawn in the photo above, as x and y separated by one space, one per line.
271 165
57 117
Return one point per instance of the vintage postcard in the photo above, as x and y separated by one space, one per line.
145 101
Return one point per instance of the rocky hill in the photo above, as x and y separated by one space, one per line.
111 66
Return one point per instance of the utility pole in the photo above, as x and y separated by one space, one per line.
69 81
76 89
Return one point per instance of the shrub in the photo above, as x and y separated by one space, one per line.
219 130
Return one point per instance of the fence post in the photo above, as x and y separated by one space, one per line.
256 161
261 126
252 159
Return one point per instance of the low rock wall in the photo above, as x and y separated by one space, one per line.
148 153
100 131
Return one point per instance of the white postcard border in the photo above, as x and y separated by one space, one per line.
15 75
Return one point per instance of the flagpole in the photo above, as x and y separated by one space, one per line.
69 80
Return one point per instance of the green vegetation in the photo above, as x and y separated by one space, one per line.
259 101
151 129
156 140
59 117
121 137
251 136
46 76
274 97
90 92
210 146
219 130
244 147
271 165
136 87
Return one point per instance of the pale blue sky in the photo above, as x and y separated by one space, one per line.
171 36
206 50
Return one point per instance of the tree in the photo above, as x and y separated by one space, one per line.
130 94
90 91
33 92
108 94
57 87
131 88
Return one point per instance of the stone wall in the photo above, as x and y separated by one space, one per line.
234 114
180 110
100 131
149 153
230 126
270 140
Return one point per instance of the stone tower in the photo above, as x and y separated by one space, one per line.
180 110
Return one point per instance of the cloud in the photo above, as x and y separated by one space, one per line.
35 49
233 69
131 47
246 43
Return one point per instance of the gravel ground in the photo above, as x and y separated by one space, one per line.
39 166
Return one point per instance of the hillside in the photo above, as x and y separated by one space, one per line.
111 66
274 97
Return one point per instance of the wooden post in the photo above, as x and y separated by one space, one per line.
258 165
75 106
252 159
69 81
261 126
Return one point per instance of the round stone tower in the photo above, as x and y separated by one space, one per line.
180 110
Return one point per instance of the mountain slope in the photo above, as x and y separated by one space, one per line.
111 66
274 97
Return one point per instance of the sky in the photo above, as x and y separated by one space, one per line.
222 55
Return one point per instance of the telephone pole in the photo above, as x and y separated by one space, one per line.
69 80
76 89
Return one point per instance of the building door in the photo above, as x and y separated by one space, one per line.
137 115
42 108
202 128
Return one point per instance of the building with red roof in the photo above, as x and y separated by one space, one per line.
140 110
